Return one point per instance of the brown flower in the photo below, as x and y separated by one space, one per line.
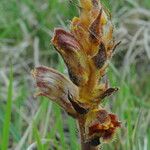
101 124
59 89
55 86
73 55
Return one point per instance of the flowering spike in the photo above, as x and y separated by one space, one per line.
85 49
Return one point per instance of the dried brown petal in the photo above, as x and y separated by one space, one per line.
55 86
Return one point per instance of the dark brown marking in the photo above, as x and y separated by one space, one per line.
76 106
101 57
95 29
74 78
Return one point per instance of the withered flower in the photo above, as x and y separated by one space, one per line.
85 49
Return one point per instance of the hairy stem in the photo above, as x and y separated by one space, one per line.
84 145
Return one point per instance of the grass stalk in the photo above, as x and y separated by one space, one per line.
8 108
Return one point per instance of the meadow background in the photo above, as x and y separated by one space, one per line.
26 27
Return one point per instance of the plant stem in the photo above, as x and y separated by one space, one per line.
84 145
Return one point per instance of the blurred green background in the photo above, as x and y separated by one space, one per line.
26 28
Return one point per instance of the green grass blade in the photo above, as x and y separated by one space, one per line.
13 130
73 134
136 126
6 125
37 137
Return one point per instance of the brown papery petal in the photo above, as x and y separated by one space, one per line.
55 86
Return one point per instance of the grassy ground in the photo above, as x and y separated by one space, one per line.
26 27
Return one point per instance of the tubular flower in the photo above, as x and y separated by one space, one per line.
85 49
